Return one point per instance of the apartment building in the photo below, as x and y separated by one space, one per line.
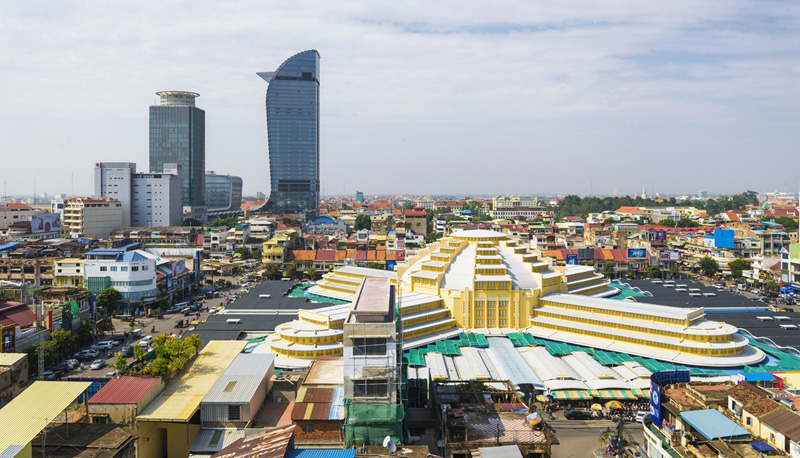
91 217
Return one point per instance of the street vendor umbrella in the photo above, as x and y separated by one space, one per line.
597 407
543 398
613 405
534 418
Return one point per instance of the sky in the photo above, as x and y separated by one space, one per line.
452 97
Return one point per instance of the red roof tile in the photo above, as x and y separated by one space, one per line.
303 255
326 255
124 390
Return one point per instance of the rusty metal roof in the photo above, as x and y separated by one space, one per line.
270 444
124 390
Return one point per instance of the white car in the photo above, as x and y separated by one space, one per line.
146 341
97 364
641 416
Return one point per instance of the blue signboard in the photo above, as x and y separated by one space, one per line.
572 259
169 287
655 402
93 307
637 253
723 238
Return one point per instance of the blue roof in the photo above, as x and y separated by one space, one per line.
758 377
762 446
320 453
130 256
712 424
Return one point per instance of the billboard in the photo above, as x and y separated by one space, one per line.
723 238
169 287
637 253
655 402
657 235
196 265
48 222
668 255
572 259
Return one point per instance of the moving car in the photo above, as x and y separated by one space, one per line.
104 345
48 375
126 351
59 369
97 364
641 416
71 363
577 415
146 340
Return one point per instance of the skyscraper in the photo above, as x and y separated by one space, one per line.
178 135
223 192
293 134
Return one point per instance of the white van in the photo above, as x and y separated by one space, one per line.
641 416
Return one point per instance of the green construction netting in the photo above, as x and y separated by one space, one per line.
416 356
369 424
445 347
257 340
473 340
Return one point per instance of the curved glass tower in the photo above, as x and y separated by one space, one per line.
293 134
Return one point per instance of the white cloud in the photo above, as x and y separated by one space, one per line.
430 95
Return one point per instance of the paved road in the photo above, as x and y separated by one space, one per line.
164 325
580 438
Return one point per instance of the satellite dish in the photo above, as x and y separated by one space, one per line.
389 445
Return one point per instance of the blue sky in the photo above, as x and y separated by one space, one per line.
456 97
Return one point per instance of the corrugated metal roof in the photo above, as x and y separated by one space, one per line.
270 444
9 359
30 412
240 381
182 397
124 390
213 440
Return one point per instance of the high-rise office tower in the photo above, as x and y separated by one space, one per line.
293 134
223 192
178 135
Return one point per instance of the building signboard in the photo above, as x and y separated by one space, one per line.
655 402
572 259
669 255
637 253
48 222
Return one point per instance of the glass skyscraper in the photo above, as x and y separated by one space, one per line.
293 134
223 192
178 135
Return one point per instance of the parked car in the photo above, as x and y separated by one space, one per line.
118 338
86 355
48 375
71 363
577 415
104 345
187 311
111 373
126 351
59 369
641 416
97 364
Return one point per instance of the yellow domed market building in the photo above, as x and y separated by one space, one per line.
483 281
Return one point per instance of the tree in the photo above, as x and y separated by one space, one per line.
257 254
788 223
311 273
737 266
227 222
375 265
291 222
608 268
120 363
61 341
273 272
686 222
433 236
104 325
771 285
108 298
674 272
667 223
609 221
362 222
708 266
653 272
192 222
244 252
291 271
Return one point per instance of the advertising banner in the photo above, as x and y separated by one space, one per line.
572 259
169 287
668 255
196 265
9 337
637 253
48 222
655 402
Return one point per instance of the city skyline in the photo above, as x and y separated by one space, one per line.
578 99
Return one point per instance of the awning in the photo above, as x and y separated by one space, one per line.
644 394
570 395
762 446
758 377
615 394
